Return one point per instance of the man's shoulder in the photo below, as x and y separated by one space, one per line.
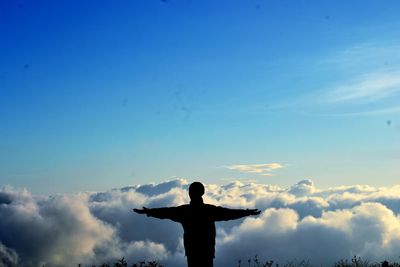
210 206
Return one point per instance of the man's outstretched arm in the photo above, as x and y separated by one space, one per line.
225 214
171 213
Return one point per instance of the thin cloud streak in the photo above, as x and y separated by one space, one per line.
370 87
373 77
264 169
389 110
368 83
364 55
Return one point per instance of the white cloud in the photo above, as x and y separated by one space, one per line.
8 257
262 169
144 250
298 222
369 80
368 112
366 88
359 80
51 230
367 55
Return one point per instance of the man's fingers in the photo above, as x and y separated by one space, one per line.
141 211
255 211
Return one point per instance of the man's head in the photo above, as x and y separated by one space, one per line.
196 190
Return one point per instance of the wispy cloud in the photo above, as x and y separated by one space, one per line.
366 83
370 73
370 87
365 55
379 111
264 169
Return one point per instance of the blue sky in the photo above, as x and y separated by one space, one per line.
105 94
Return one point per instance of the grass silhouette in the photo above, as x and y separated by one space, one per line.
354 262
123 263
256 262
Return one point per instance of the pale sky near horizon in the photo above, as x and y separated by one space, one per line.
104 94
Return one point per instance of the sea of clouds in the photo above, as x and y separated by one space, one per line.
299 222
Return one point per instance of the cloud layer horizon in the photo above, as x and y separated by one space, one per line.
299 222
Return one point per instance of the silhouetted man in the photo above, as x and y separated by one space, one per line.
198 224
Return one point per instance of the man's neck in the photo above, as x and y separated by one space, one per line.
197 201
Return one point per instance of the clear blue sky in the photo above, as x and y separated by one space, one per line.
101 94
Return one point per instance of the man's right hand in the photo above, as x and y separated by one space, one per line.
141 211
254 211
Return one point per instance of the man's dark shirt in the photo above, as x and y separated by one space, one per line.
198 225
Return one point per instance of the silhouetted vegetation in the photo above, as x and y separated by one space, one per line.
354 262
123 263
256 262
358 262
